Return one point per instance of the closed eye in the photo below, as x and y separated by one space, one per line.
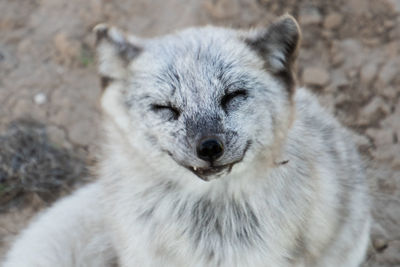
228 98
171 110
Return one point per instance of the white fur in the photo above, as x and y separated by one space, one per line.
69 234
300 184
60 236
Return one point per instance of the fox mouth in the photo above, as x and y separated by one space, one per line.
206 173
211 172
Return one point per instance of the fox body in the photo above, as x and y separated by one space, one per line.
211 157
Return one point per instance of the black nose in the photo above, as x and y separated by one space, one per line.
210 149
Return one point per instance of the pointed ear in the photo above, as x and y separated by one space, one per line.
278 46
115 50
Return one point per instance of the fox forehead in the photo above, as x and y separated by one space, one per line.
194 54
198 61
204 56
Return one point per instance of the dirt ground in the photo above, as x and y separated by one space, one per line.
350 57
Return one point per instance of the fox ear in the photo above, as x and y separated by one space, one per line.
115 50
278 46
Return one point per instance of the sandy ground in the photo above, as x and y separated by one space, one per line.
350 57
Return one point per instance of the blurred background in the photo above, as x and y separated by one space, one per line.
49 90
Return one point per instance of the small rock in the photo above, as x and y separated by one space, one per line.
389 71
60 69
388 154
315 76
353 51
338 78
357 7
22 107
395 4
337 59
368 72
82 132
328 35
389 23
56 135
40 98
352 73
377 104
371 41
392 49
390 92
67 49
222 9
393 122
24 45
333 20
396 161
309 16
381 137
8 59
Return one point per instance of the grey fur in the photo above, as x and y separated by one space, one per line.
289 189
285 35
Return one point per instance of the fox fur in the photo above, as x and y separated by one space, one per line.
288 190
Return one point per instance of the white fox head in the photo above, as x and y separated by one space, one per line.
205 99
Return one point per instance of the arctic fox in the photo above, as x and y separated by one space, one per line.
211 157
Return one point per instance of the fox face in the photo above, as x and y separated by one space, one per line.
207 98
